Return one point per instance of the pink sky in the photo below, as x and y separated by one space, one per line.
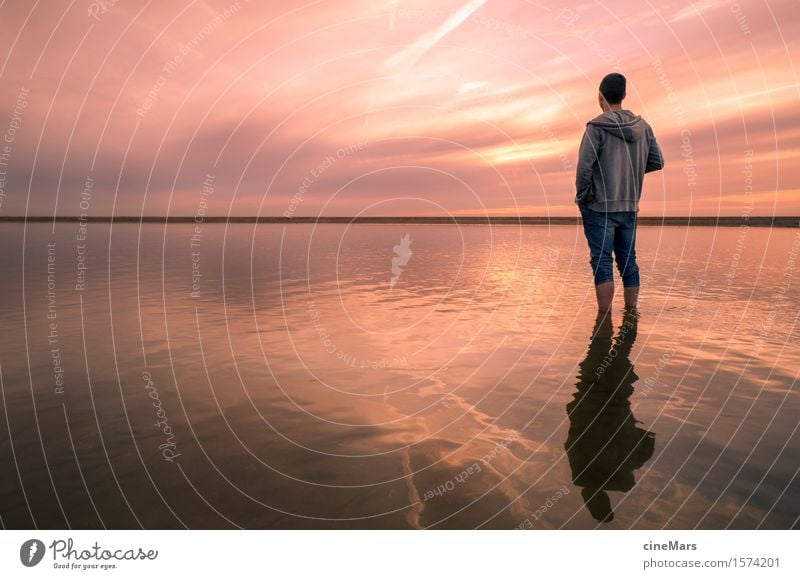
346 107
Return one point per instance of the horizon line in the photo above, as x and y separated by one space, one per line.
686 220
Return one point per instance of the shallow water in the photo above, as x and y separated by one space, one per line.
296 386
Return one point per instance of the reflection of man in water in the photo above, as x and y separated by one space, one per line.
604 445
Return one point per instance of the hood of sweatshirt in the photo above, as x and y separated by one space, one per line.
621 123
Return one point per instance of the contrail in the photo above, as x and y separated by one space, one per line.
409 56
393 16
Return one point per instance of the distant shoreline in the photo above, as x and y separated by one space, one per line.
757 221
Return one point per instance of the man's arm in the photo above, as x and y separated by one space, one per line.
655 160
587 157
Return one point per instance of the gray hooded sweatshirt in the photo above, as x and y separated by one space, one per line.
617 149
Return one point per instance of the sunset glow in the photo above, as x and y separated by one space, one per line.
403 107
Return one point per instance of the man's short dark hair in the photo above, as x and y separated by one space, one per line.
612 87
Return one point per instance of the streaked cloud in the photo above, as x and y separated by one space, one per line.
410 55
696 8
471 105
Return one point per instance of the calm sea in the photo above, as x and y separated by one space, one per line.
394 376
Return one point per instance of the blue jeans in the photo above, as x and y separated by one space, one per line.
612 232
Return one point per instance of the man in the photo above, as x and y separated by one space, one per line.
617 149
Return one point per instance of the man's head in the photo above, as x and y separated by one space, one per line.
612 90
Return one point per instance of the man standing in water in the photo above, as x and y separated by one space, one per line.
617 149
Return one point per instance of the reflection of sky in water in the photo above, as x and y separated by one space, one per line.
306 391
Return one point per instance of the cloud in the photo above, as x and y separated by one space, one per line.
408 57
481 114
696 10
